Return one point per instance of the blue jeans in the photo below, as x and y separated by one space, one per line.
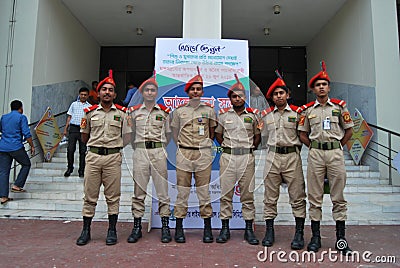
6 159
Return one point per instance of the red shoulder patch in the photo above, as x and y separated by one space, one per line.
121 108
222 111
339 102
91 108
136 107
308 105
267 111
252 110
206 103
296 108
164 108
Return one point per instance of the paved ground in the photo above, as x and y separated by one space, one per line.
35 243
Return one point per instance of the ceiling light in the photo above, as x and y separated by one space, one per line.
129 9
139 31
266 31
277 9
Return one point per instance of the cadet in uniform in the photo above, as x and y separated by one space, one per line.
239 135
151 135
193 126
283 162
325 127
102 128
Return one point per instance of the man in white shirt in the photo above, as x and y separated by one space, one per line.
75 114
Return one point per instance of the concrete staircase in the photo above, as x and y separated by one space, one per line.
52 196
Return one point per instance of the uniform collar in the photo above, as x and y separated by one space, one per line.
101 107
156 106
317 103
233 111
287 108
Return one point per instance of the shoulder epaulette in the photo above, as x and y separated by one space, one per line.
339 102
308 105
267 111
136 107
296 108
91 108
164 108
121 108
222 111
210 105
252 110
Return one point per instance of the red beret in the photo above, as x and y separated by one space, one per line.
235 87
197 79
107 80
321 75
278 83
151 80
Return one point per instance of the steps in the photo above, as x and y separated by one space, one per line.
52 196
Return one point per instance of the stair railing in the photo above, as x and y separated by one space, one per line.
38 156
386 150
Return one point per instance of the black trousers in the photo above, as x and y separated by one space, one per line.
74 136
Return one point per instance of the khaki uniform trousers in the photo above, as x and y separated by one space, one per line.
284 168
237 168
106 170
148 162
197 162
331 163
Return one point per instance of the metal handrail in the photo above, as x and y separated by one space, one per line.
36 144
387 147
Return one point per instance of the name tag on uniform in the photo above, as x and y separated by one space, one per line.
326 124
228 122
311 116
139 118
201 130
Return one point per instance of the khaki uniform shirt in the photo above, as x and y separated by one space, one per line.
105 129
312 118
150 125
238 130
193 124
280 129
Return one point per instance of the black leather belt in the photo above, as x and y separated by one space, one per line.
283 150
104 151
149 145
237 150
193 148
325 145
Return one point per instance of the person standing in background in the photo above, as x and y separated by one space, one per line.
93 95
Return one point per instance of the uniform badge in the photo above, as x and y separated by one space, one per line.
204 115
302 119
292 119
346 117
83 123
117 118
159 117
248 119
335 112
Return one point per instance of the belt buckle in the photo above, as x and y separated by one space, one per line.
101 151
325 146
148 144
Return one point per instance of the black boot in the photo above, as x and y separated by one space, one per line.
136 231
207 235
225 234
165 233
341 242
85 235
68 172
112 230
315 243
298 240
249 234
269 237
179 234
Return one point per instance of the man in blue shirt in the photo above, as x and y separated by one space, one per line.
14 130
131 91
72 128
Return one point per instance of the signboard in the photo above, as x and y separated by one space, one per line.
176 62
362 134
48 134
